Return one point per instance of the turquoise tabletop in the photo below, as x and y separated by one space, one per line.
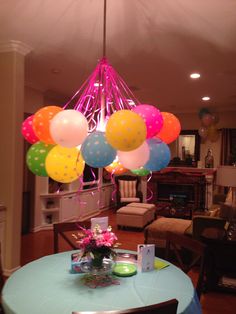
46 286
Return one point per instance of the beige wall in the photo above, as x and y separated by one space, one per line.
34 100
190 121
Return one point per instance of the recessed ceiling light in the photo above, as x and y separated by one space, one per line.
195 75
206 98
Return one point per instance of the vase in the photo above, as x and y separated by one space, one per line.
98 273
97 266
97 262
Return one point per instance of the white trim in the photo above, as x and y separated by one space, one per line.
15 45
42 227
9 272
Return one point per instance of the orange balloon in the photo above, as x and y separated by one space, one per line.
116 168
171 128
41 123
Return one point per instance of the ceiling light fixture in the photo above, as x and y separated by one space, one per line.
206 98
195 75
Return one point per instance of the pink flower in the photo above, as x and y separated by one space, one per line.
96 239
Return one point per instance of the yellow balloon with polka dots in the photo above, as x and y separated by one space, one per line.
125 130
64 164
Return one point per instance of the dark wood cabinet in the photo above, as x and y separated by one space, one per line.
220 268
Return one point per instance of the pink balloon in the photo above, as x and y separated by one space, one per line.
136 158
27 130
152 117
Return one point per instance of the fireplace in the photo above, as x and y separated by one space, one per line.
167 191
183 188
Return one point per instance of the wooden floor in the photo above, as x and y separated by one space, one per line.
35 245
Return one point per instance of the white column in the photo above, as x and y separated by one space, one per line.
12 55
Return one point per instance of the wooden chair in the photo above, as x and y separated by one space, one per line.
60 229
179 243
167 307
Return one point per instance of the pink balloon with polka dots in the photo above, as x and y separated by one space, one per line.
27 130
152 117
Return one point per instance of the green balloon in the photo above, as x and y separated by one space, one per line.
36 156
141 172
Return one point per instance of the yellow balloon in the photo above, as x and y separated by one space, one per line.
125 130
64 164
213 134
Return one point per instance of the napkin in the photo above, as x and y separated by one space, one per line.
158 264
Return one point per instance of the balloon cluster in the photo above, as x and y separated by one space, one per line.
133 140
208 129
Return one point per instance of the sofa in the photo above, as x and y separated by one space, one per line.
217 217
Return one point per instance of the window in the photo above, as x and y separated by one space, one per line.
90 177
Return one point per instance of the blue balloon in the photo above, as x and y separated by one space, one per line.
96 151
159 155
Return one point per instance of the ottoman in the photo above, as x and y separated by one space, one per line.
130 216
155 233
151 208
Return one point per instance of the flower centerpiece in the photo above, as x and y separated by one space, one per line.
97 244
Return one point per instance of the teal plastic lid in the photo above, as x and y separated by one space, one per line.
124 269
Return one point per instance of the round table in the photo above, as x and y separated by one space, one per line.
47 286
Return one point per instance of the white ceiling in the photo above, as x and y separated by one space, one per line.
153 44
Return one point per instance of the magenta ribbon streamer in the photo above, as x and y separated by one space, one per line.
149 191
103 82
114 193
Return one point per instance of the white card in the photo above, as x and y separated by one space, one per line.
146 257
101 221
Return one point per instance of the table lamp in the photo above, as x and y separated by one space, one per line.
226 176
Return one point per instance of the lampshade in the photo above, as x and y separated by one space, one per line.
226 176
